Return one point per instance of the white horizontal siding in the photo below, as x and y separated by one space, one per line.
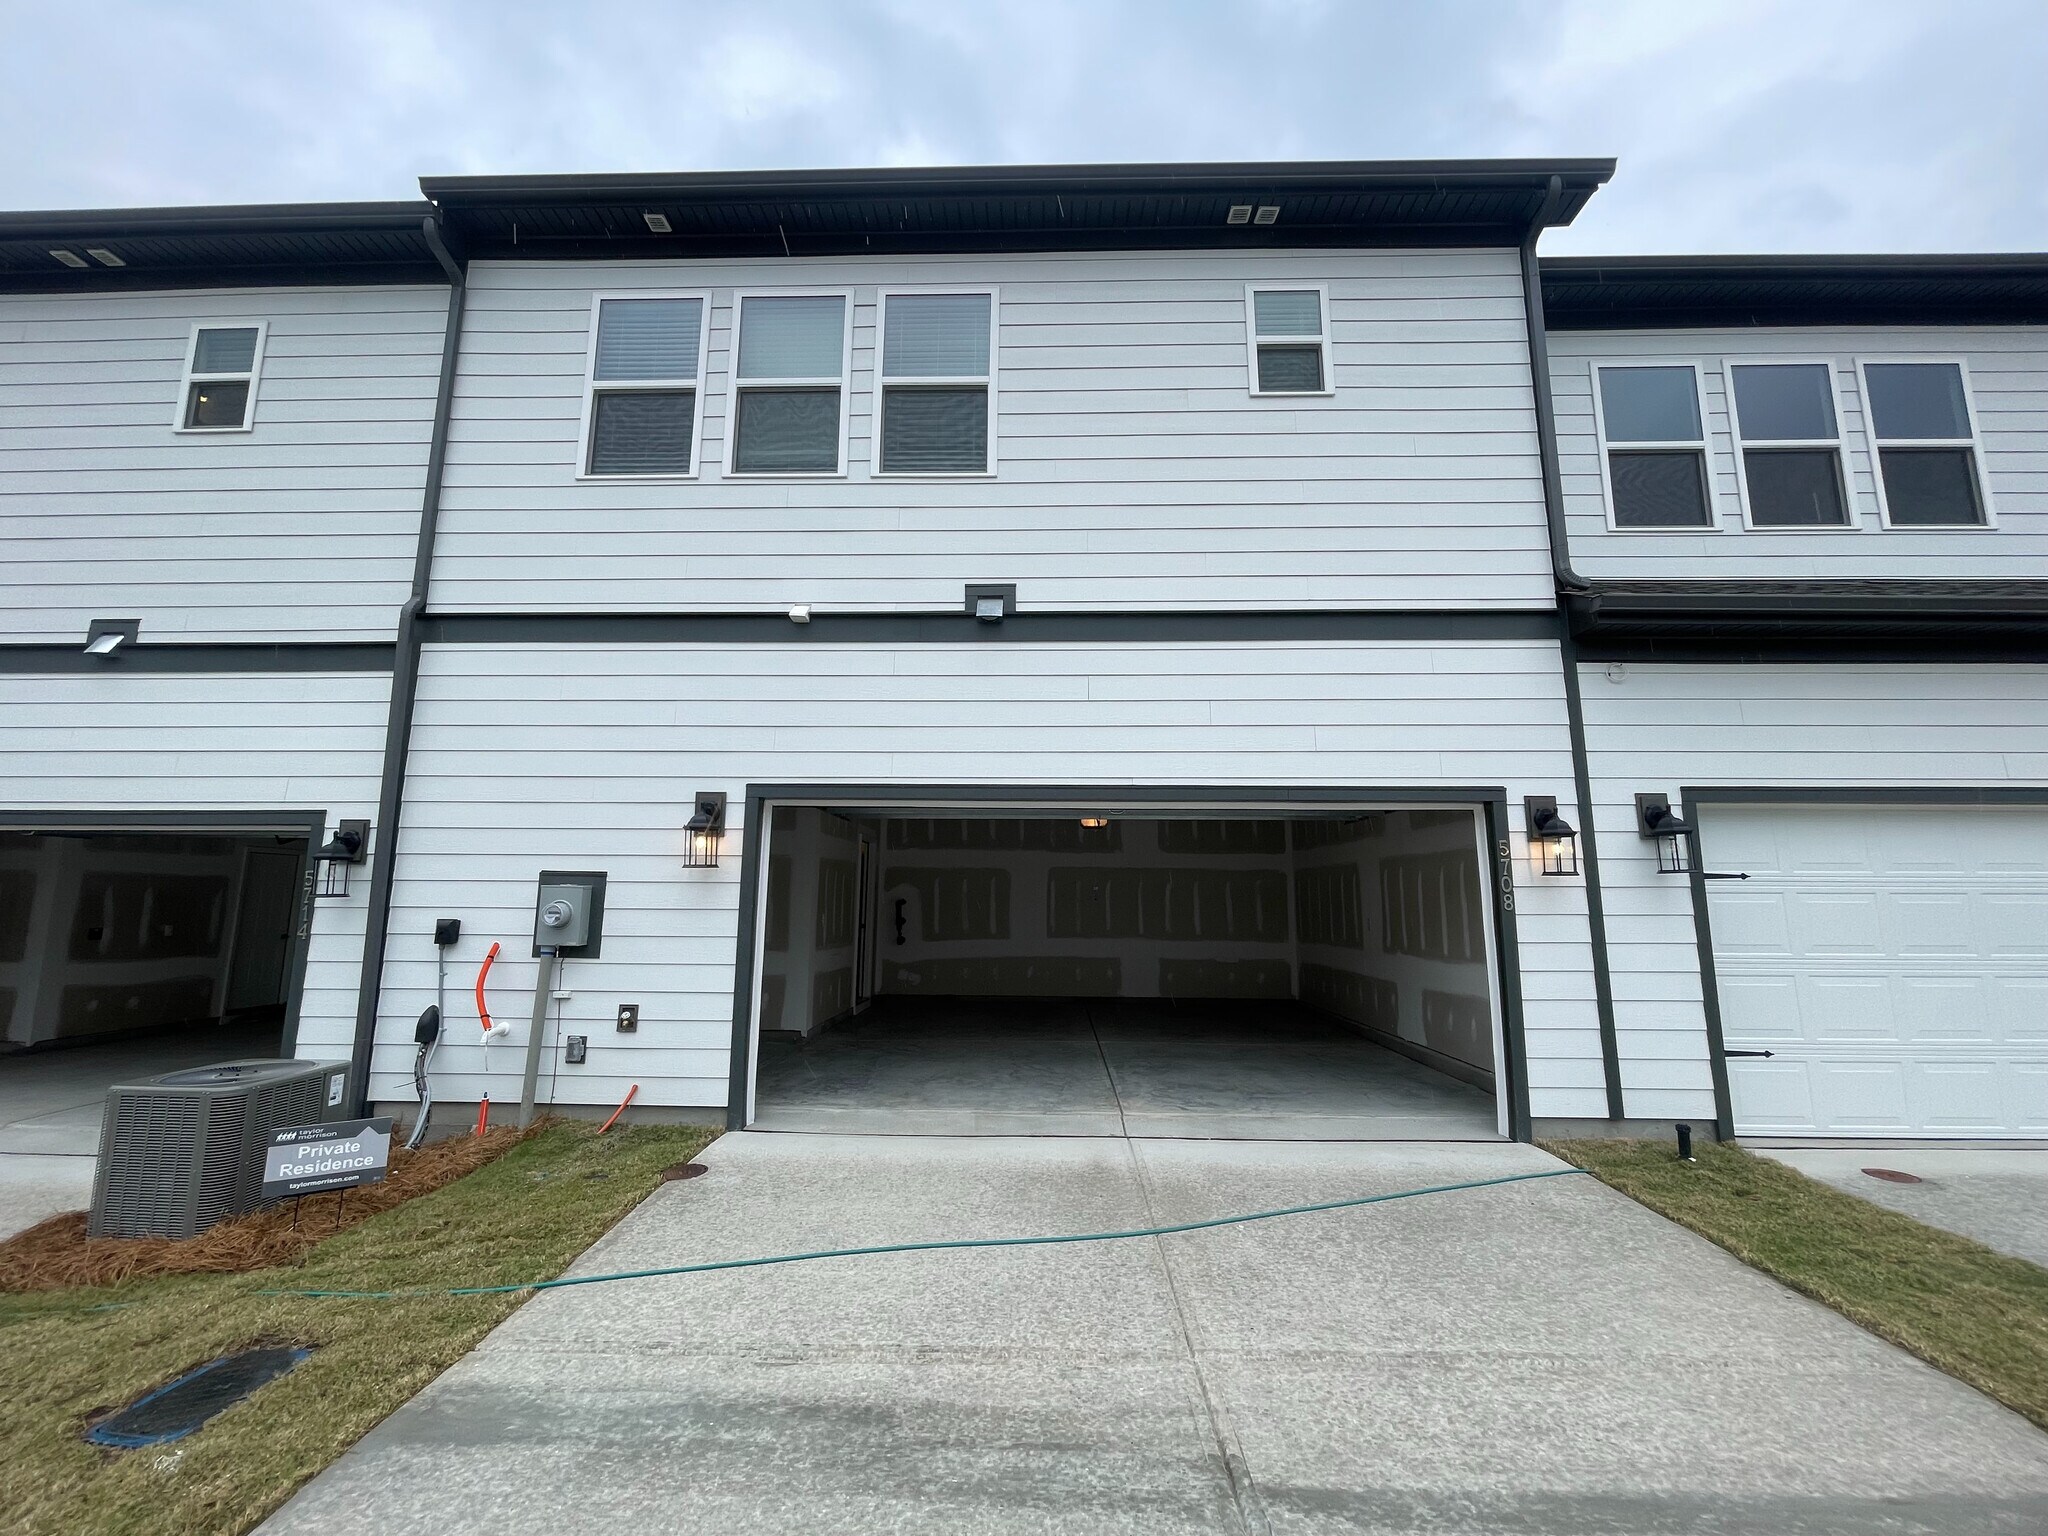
301 529
216 742
2008 369
1135 471
526 758
1661 728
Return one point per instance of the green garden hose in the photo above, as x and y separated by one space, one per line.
964 1242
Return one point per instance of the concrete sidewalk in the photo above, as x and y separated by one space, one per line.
1999 1197
1533 1359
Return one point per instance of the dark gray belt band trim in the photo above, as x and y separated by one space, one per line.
338 656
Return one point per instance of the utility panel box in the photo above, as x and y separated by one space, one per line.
568 912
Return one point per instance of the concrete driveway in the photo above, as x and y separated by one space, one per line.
1534 1359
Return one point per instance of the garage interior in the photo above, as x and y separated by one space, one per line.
127 954
1326 977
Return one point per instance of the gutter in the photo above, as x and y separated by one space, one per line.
405 673
1571 588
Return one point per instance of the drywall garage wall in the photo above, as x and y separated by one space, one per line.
1045 907
1392 928
808 950
110 934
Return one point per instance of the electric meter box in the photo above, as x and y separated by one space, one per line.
568 911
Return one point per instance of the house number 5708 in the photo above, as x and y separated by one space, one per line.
1505 863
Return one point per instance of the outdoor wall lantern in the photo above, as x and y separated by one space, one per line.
1553 841
1672 833
349 846
704 830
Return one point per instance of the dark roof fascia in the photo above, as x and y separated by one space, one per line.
1700 292
1873 609
801 213
242 245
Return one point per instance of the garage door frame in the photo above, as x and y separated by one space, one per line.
1512 1078
1692 796
311 825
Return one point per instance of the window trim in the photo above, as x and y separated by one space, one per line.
883 381
1704 445
1322 341
188 378
1852 508
735 385
591 384
1975 443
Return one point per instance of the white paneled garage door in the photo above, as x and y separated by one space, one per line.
1893 959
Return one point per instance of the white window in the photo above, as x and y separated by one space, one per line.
1287 331
643 402
789 384
1930 468
218 392
1653 445
1788 445
937 383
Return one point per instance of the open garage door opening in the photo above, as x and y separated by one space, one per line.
125 954
1327 976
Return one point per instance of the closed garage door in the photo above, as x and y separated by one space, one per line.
1894 961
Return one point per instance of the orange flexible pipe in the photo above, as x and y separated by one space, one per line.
482 1012
620 1110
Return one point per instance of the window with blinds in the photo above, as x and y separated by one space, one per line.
218 393
937 377
645 392
1288 334
789 385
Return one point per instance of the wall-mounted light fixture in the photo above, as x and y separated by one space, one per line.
705 829
1553 841
1672 833
103 637
349 846
990 601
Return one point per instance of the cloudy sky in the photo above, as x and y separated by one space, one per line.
1822 125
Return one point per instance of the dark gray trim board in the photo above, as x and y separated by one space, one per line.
954 627
311 656
405 673
310 825
1693 796
1596 903
1513 1077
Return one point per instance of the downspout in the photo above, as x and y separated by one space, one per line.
1569 584
405 671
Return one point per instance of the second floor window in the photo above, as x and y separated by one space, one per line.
1290 341
1655 444
1926 445
937 402
789 385
1788 445
219 393
646 386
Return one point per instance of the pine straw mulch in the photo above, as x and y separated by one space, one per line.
56 1254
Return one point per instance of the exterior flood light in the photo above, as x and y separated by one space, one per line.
349 846
989 609
103 637
991 602
1553 841
705 829
1672 833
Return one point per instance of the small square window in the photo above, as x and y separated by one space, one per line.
1929 475
218 393
645 385
1656 450
1289 340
